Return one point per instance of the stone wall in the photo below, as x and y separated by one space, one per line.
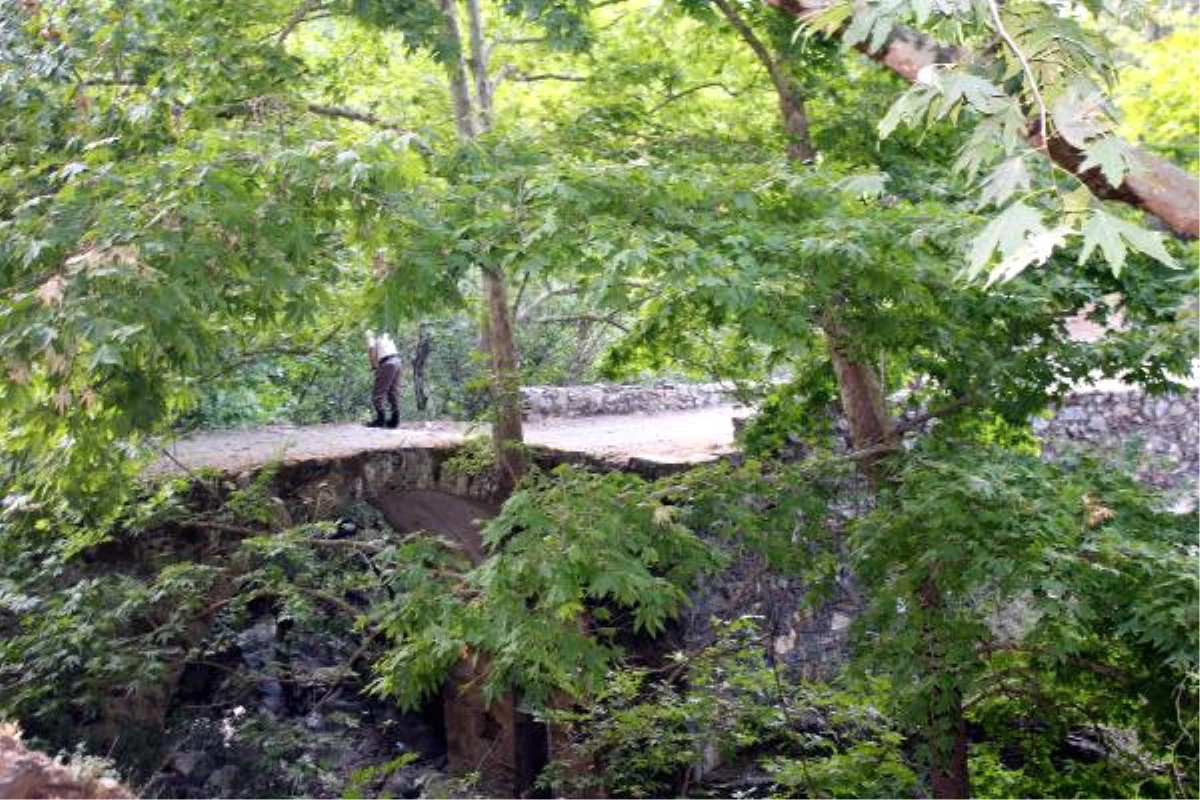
609 398
1159 435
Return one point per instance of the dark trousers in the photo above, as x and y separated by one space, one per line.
387 386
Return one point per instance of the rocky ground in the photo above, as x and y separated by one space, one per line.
30 774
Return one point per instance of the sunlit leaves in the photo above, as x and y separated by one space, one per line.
566 546
1007 235
1081 113
1111 155
1044 80
1007 179
1115 237
940 93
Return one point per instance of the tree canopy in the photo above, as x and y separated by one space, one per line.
890 208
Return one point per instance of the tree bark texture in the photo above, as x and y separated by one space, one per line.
464 119
1153 185
507 432
420 360
479 65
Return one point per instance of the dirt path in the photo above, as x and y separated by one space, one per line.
672 437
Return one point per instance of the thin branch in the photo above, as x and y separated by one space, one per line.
1043 130
190 473
250 356
913 423
573 318
520 40
548 76
692 90
117 81
522 316
299 16
368 118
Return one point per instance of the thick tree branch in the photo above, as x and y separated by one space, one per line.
479 65
1153 185
464 117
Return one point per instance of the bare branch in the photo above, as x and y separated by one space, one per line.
305 8
522 316
368 118
671 98
547 76
575 318
251 356
520 40
915 422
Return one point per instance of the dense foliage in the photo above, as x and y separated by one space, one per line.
202 202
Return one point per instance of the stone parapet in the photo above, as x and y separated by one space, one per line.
600 399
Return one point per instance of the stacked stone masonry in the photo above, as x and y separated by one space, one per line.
1156 435
600 399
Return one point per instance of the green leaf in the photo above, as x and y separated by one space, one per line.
1007 179
1080 113
1114 236
1098 232
1005 234
864 187
1111 155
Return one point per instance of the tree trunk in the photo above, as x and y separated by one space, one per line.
531 751
949 774
791 101
479 65
507 432
496 333
1154 185
862 399
419 363
464 119
871 428
795 124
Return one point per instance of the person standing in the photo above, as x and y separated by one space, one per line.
385 360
